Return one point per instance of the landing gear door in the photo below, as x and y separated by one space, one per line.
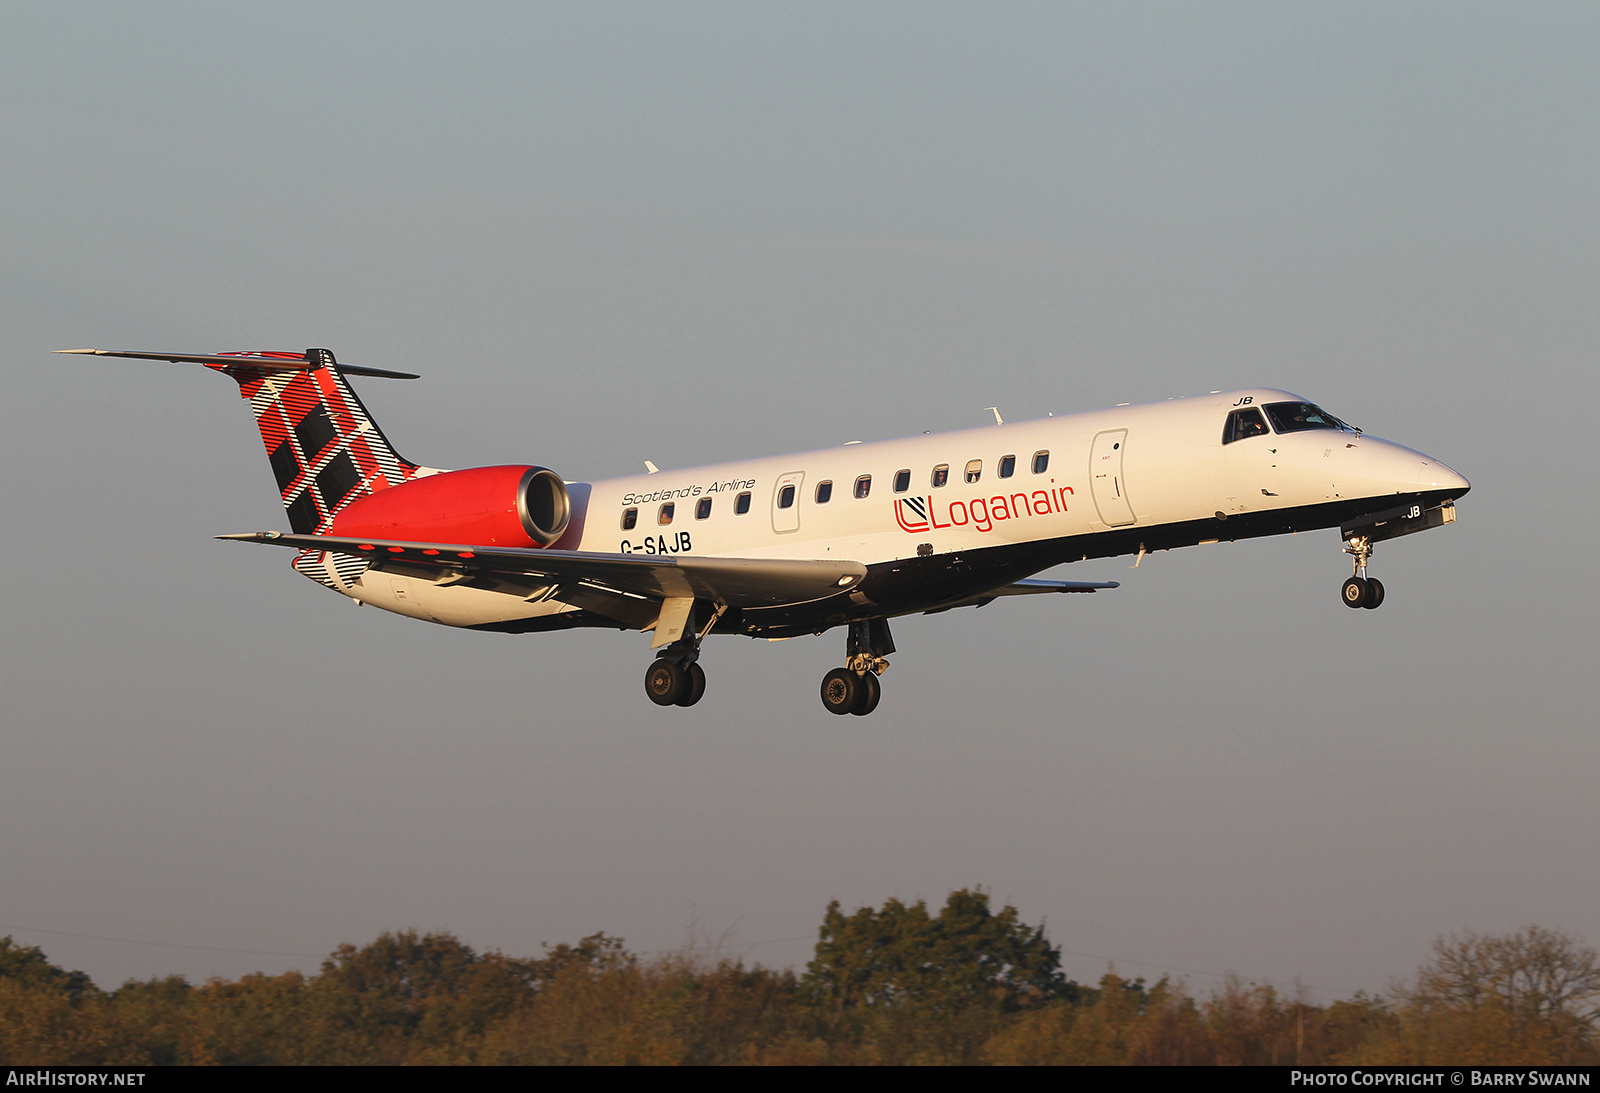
786 502
1105 478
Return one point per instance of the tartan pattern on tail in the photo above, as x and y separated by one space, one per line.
325 449
337 571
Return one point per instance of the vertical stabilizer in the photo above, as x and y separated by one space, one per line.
324 448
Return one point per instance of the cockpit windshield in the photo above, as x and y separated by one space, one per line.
1243 424
1294 417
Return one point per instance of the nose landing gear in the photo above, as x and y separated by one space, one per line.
1361 590
855 689
1361 533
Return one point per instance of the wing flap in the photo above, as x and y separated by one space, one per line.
737 582
1028 586
1032 586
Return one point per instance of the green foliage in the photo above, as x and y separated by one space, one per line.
51 1015
259 1020
27 965
730 1014
899 985
160 1008
894 985
903 955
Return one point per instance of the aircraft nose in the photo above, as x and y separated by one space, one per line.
1412 471
1429 474
1449 479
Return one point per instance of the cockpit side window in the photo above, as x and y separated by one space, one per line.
1243 424
1293 417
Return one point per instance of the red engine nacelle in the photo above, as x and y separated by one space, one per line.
485 506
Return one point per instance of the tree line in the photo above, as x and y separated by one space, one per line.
899 984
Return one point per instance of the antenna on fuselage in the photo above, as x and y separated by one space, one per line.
995 410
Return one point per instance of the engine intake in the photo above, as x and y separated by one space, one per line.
514 506
542 505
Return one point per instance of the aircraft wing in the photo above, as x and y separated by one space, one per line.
736 582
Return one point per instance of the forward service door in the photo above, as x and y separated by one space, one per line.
1106 480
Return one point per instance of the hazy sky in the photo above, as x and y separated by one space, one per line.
694 232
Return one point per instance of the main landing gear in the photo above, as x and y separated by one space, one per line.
674 683
1361 590
855 687
675 678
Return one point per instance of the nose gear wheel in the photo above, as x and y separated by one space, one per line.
1361 590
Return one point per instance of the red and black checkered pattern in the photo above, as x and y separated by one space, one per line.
324 447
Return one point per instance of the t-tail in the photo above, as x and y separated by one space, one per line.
325 450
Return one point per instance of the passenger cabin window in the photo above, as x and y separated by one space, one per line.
786 497
902 480
824 492
1243 424
664 516
1008 466
863 485
702 508
630 519
974 471
741 504
1292 417
941 475
1041 462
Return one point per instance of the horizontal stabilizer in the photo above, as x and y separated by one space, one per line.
265 362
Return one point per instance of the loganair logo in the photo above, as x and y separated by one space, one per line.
916 515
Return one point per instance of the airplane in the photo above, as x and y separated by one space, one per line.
848 536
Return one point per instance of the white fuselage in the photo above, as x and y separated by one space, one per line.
1109 482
